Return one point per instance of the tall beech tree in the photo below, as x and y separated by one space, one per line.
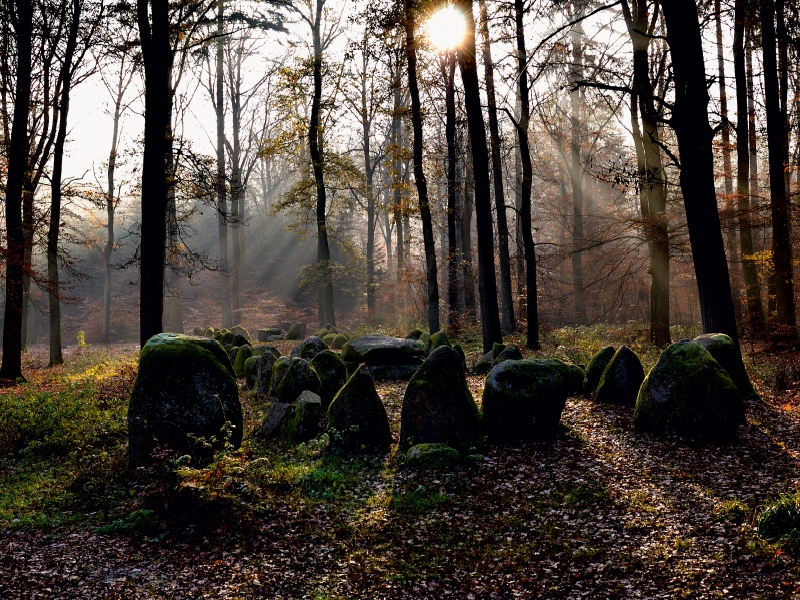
755 308
509 323
779 202
695 137
652 179
409 22
487 282
20 15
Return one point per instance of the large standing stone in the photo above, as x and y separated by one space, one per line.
383 350
438 339
279 369
594 370
239 330
302 419
688 393
251 371
722 348
261 349
495 356
339 341
438 406
242 355
332 374
391 372
185 387
299 377
264 375
573 375
357 418
296 332
308 348
621 379
522 400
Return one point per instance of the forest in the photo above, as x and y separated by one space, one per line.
400 299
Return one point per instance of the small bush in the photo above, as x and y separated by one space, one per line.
139 522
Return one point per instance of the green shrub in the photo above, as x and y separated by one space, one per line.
780 521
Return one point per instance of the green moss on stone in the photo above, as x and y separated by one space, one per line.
299 376
688 393
357 419
620 381
251 371
594 370
242 355
432 456
332 374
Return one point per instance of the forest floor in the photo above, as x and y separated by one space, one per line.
600 513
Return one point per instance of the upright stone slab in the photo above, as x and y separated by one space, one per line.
242 355
437 406
722 348
522 400
573 375
251 371
264 375
296 332
239 330
688 393
594 370
339 341
185 385
264 335
621 379
357 419
308 348
279 369
298 378
332 374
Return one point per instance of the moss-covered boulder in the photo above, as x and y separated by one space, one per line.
460 350
273 422
309 348
383 350
431 456
302 418
239 330
200 331
495 356
357 419
415 334
242 355
185 390
438 406
522 400
265 370
688 393
621 379
339 341
392 372
299 377
279 370
724 351
261 349
328 339
296 332
228 338
438 339
572 375
321 333
232 351
594 370
251 371
209 332
332 374
240 340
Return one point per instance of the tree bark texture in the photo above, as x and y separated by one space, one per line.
508 322
21 16
419 173
576 170
695 137
222 202
487 282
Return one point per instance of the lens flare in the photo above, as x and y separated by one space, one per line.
446 28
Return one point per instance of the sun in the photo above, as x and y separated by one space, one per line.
446 28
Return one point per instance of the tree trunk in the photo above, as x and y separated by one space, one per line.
157 58
467 206
110 210
695 138
323 250
755 309
419 173
508 321
22 22
487 283
576 170
531 302
653 193
449 71
222 203
369 172
781 242
55 205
